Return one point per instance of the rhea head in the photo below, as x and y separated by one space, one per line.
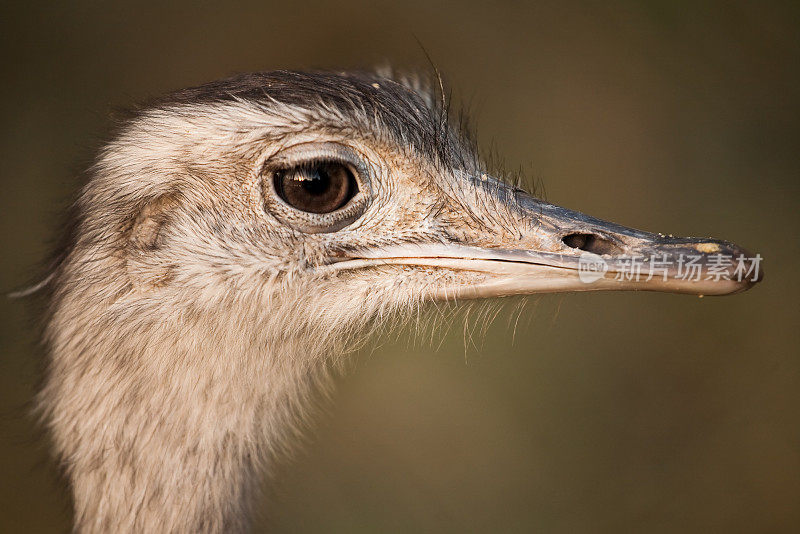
235 237
350 193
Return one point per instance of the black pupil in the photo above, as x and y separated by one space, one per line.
317 187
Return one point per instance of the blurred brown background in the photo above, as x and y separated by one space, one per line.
607 412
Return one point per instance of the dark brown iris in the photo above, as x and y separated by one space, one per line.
316 187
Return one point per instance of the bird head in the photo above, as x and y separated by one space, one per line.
314 202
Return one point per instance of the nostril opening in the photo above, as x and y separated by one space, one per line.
591 243
575 240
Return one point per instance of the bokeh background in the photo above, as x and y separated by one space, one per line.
604 412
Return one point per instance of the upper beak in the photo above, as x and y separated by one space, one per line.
564 250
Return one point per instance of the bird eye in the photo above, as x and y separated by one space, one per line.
316 187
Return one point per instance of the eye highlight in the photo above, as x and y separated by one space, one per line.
316 186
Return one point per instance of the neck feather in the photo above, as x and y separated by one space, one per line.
168 425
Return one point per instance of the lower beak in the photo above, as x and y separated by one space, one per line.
569 251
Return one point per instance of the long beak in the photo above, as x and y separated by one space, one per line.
568 251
